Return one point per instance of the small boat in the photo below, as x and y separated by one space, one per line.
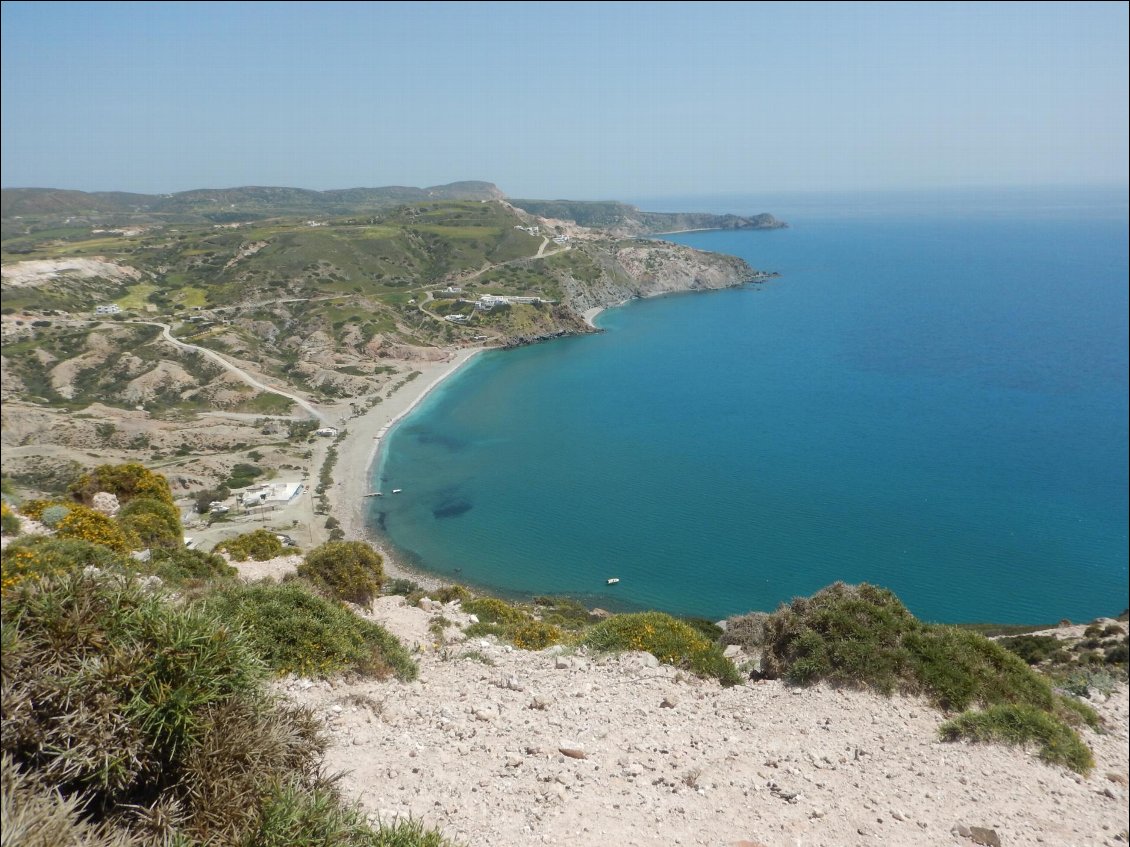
612 580
374 494
397 490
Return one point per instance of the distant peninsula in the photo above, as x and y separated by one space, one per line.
623 219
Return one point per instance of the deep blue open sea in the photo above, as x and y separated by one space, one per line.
932 397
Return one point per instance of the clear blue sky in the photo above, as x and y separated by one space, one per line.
564 99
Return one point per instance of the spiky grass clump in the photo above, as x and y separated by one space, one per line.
670 640
1022 725
259 545
129 720
344 570
35 816
296 631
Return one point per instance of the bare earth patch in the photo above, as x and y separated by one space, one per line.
540 748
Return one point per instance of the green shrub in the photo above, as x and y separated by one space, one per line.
259 545
9 522
534 635
706 628
106 688
128 720
747 631
344 570
1020 725
1033 649
493 610
155 523
85 524
35 557
402 587
447 593
52 515
671 641
126 482
179 565
293 817
296 631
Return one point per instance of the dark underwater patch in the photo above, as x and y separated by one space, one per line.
451 508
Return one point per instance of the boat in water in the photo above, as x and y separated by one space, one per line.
612 580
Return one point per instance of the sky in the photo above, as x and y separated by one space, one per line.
574 100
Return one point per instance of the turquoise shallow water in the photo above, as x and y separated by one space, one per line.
933 402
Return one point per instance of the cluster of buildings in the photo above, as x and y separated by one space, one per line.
532 230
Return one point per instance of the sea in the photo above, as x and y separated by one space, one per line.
931 397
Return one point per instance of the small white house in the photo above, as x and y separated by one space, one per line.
108 309
327 432
270 494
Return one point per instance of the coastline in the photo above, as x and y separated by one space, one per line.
361 447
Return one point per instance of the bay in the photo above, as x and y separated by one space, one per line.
935 402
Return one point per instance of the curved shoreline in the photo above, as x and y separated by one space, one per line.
360 451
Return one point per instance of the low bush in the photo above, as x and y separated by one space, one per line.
747 631
84 524
179 565
402 587
671 641
9 522
296 631
155 523
51 515
1021 725
126 482
31 558
344 570
259 545
493 610
862 636
447 593
128 720
1033 649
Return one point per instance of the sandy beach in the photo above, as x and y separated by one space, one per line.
364 439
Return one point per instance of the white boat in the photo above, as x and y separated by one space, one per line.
613 580
397 490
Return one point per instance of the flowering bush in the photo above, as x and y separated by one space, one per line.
86 524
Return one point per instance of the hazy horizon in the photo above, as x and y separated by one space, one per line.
582 101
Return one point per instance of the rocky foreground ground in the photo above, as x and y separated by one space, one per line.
503 747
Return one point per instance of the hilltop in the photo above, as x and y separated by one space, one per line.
626 220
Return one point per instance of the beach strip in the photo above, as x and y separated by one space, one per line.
364 439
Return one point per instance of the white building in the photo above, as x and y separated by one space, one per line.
270 494
327 432
108 309
488 301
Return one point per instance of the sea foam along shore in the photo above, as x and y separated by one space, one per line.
360 449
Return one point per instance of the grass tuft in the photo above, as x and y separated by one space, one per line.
672 641
1021 725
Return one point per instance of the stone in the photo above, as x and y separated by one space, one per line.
563 663
669 702
572 749
540 702
731 651
106 503
985 837
513 760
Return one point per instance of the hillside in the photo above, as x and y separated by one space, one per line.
626 220
215 334
225 204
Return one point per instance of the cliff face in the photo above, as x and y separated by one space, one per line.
645 269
